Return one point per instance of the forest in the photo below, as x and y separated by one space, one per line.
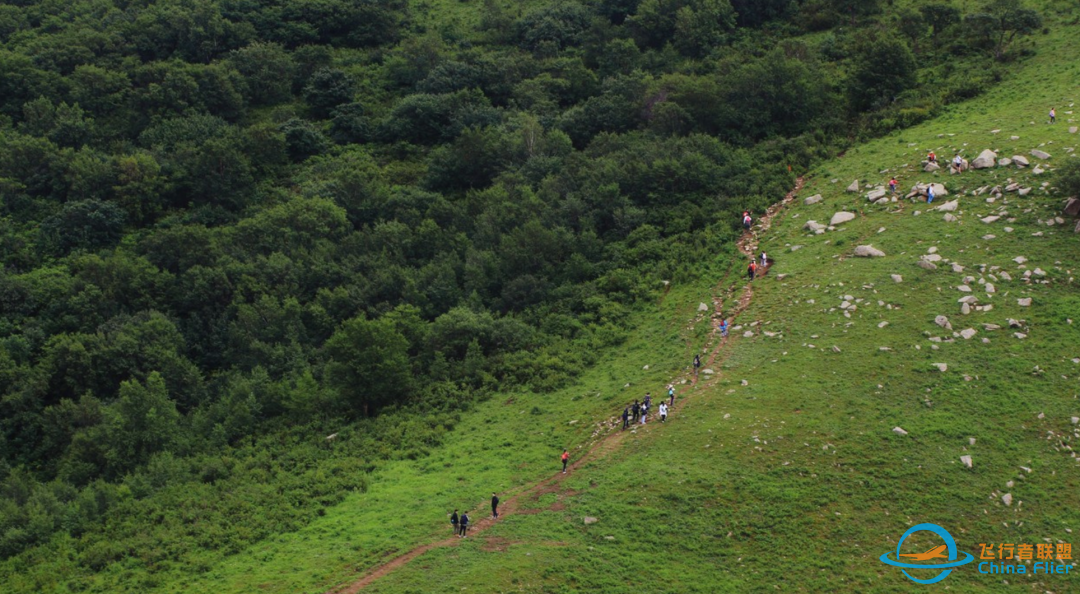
227 226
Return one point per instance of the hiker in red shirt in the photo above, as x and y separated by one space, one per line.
565 459
746 220
751 269
932 157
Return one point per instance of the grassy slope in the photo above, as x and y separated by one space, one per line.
804 485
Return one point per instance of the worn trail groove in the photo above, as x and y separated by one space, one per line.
609 437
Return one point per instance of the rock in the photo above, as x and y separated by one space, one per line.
609 538
931 167
745 383
331 437
989 288
957 268
875 195
1004 162
835 349
1074 420
1038 170
966 460
971 441
1020 259
882 324
897 278
932 257
868 251
1073 129
968 333
590 520
1040 154
965 309
942 367
1007 499
1023 191
708 371
949 206
796 248
985 159
1072 207
814 226
1038 272
990 219
926 265
943 322
1020 161
1015 323
854 187
949 218
703 307
1012 187
813 199
964 289
1025 302
899 431
1020 335
841 217
748 334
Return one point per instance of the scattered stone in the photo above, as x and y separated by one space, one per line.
814 226
1004 162
1007 499
842 217
1020 259
1025 302
1073 129
965 309
957 268
748 334
835 349
899 431
1020 161
989 288
897 278
813 199
877 194
703 307
968 333
931 167
966 460
1040 154
926 265
1020 335
986 159
964 289
943 322
868 251
708 371
971 441
745 383
942 367
882 324
949 206
854 187
932 257
949 218
990 219
590 520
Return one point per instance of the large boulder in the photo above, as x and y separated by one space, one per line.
841 217
868 251
1040 154
931 167
813 199
949 206
985 159
876 194
1020 161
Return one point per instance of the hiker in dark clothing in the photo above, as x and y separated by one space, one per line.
637 410
697 363
648 400
464 524
626 417
454 521
495 506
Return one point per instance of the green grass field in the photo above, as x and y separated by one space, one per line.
795 480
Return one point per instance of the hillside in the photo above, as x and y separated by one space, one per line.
285 283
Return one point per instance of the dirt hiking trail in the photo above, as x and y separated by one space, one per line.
608 438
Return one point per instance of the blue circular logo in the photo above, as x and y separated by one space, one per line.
950 544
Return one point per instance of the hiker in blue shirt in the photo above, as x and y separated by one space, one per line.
464 524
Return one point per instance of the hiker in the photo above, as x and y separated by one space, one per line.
648 400
764 259
932 158
565 459
723 328
958 163
663 412
494 506
464 524
644 413
454 521
751 269
929 194
626 417
1053 116
697 363
637 410
892 185
671 394
747 222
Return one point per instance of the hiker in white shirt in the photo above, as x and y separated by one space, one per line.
663 412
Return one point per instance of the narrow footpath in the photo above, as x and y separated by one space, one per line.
605 442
